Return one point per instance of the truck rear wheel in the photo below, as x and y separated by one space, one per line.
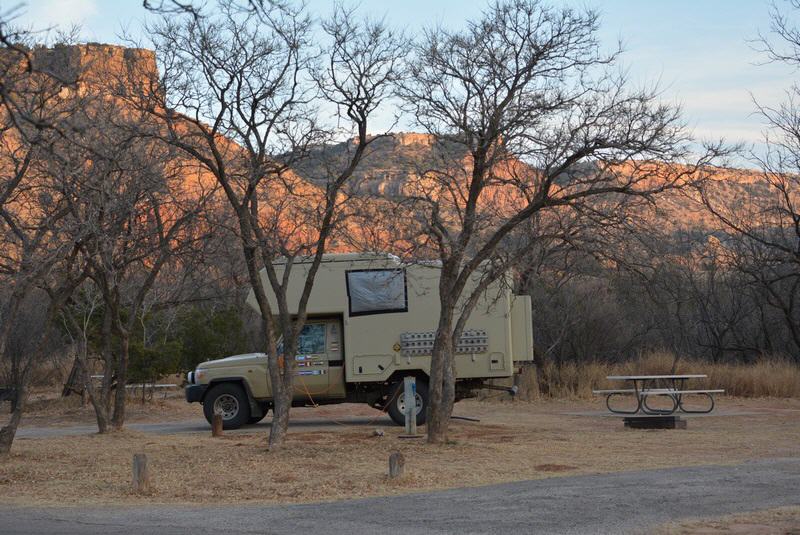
397 404
230 400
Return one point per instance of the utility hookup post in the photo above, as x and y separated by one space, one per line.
410 393
410 402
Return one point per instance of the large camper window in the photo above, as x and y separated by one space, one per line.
376 291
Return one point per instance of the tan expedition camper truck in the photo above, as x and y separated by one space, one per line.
371 321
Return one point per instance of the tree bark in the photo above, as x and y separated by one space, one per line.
11 308
108 373
95 398
441 395
100 399
281 401
280 421
278 368
282 391
118 419
8 432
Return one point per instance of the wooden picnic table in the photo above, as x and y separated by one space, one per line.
669 386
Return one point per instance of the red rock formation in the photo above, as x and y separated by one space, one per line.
399 164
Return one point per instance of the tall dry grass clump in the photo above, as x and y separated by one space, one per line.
772 378
769 377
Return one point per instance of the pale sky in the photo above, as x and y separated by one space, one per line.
697 50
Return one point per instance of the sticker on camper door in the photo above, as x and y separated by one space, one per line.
310 364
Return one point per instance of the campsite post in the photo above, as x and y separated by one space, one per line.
410 394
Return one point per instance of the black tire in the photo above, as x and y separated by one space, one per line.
237 414
396 402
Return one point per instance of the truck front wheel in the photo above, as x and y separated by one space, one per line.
230 400
397 404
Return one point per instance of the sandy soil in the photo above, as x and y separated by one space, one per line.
781 521
513 441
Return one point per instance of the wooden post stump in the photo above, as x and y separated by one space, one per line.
141 474
396 465
216 425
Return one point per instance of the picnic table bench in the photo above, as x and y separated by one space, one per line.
672 387
132 388
153 387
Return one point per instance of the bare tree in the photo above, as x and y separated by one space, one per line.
762 242
139 209
763 225
250 88
37 249
519 102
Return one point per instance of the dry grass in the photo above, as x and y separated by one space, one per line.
514 441
766 378
47 408
780 521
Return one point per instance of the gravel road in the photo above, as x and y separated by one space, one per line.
627 502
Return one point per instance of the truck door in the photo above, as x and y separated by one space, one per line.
319 343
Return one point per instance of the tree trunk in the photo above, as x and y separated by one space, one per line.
281 400
441 391
8 432
20 374
108 371
11 308
449 387
75 383
280 421
539 364
101 414
281 397
118 419
96 398
101 400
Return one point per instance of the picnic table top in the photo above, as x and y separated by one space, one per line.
641 377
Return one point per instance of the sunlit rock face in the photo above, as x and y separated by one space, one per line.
395 165
95 64
391 165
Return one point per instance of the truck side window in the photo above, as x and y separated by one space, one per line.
312 339
376 291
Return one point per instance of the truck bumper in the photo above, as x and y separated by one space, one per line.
195 393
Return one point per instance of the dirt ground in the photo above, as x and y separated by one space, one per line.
513 441
781 521
47 409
